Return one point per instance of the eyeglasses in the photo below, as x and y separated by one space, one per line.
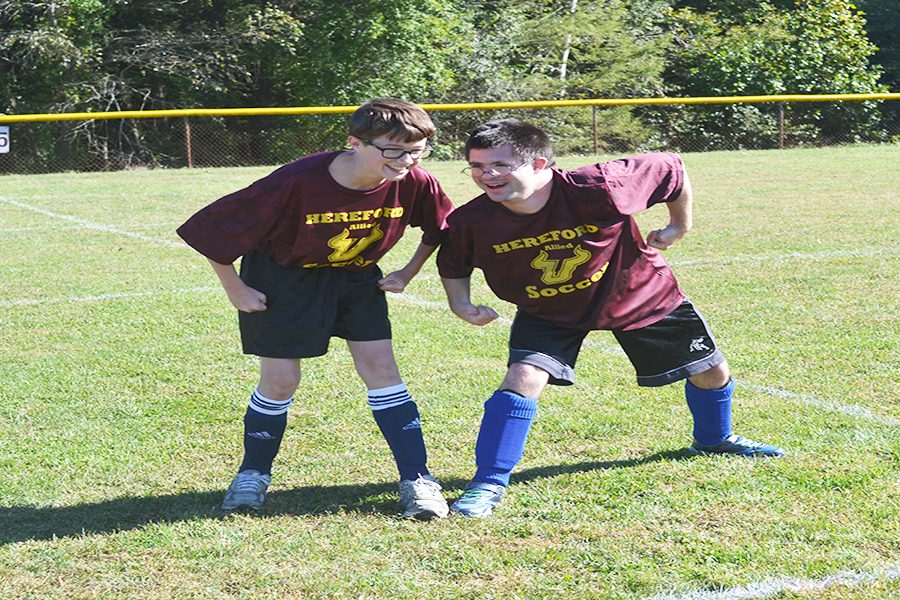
394 153
501 169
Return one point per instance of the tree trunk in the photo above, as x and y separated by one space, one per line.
563 65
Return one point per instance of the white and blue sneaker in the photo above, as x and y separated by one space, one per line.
421 498
739 446
478 500
247 490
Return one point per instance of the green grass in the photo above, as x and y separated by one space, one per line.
122 388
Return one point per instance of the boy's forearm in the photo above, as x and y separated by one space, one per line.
681 208
418 260
458 290
459 297
227 275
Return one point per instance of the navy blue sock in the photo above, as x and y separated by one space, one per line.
397 417
264 425
501 439
712 412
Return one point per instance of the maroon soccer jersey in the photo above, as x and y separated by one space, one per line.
302 217
580 261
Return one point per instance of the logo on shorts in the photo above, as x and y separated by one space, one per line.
697 345
261 435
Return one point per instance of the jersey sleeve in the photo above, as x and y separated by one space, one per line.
638 182
455 256
431 211
235 224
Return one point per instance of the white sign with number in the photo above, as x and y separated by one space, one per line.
4 138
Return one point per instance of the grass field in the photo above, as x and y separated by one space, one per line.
122 388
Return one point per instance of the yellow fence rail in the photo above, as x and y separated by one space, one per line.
324 110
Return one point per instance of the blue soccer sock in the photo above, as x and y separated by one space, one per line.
264 425
397 417
501 439
712 412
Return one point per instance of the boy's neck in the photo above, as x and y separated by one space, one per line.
538 199
344 169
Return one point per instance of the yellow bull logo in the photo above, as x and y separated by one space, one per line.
559 271
347 248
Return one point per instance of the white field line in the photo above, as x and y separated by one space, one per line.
96 226
71 227
786 256
777 586
848 409
407 299
111 296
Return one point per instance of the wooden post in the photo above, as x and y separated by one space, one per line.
187 142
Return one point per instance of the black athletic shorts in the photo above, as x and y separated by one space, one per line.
676 347
306 307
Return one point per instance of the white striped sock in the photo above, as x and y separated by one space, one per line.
388 397
267 406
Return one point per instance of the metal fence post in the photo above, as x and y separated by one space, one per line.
187 142
781 125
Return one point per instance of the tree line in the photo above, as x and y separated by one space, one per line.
93 55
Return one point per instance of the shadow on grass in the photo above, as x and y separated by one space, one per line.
22 523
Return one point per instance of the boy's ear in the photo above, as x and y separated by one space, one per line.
353 141
540 163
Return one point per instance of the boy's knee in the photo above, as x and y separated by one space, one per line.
279 386
278 378
524 379
712 379
377 370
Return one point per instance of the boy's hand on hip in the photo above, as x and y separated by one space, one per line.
393 282
247 299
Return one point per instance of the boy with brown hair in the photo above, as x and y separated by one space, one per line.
310 235
564 247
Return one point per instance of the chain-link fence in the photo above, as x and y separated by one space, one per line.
115 144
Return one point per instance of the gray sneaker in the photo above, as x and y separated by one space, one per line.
247 489
422 499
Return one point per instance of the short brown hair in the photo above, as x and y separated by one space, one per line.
527 141
397 119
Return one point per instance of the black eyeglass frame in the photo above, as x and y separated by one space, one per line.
396 153
501 170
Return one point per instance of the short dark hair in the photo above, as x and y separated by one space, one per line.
397 119
527 141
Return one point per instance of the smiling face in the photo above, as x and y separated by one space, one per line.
518 185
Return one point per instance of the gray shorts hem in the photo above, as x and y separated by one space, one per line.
560 373
683 372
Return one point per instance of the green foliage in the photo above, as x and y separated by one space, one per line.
817 47
560 49
883 27
95 55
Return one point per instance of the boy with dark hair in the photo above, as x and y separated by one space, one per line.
564 247
310 235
